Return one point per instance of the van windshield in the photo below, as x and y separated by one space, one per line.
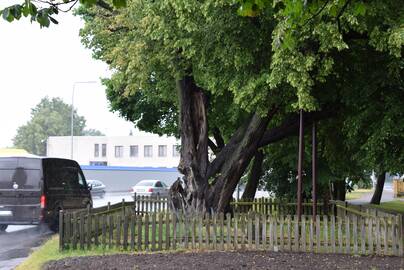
20 178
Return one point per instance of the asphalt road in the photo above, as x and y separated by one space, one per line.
19 241
16 244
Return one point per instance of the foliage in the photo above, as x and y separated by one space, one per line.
51 117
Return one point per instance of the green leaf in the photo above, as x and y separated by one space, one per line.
7 15
119 3
16 11
88 2
33 10
43 19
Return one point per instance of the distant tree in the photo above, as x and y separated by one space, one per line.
51 117
92 132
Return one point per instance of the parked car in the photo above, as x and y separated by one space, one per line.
150 188
97 188
34 189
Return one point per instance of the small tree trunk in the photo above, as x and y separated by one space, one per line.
255 175
377 195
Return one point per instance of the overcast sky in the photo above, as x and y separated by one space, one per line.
35 63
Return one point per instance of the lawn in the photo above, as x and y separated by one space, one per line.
396 206
50 251
357 194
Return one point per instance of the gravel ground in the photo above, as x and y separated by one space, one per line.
228 260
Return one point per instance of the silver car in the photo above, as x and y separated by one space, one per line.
150 188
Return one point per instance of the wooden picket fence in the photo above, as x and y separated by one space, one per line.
271 206
126 230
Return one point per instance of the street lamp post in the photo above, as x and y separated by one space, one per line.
72 115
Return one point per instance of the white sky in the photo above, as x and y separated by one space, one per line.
35 63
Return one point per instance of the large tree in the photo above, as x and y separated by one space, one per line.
50 117
236 82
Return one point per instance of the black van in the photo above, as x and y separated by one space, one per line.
34 189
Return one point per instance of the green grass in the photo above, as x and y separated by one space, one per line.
50 251
396 206
357 194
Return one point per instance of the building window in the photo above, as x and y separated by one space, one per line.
134 150
104 150
96 150
119 151
148 150
176 150
162 150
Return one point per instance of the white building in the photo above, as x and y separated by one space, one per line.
139 150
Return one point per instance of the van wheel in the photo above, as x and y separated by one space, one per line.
3 227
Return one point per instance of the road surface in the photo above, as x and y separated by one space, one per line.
19 241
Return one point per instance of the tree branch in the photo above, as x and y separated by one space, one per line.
291 126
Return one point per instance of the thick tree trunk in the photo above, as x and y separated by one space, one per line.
255 175
237 162
194 143
377 195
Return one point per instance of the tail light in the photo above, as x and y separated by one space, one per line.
150 190
43 201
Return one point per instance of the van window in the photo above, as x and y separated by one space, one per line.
63 174
20 178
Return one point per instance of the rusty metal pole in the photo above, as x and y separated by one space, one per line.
314 169
299 167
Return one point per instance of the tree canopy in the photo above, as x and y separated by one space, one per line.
51 117
236 82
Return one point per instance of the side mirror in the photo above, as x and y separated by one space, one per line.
90 187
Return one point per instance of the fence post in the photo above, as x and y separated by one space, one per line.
61 230
400 222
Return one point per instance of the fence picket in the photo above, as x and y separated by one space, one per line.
153 232
393 236
214 231
96 230
377 235
125 231
264 231
221 220
132 232
104 231
325 230
118 231
311 235
228 232
347 234
168 244
139 221
399 219
174 223
111 230
159 216
193 229
146 231
296 231
249 230
332 231
200 221
318 232
370 234
303 234
257 231
385 237
340 240
363 235
243 230
235 231
81 230
289 234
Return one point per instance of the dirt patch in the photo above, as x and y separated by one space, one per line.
228 260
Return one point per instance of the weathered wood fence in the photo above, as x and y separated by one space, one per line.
271 206
123 228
